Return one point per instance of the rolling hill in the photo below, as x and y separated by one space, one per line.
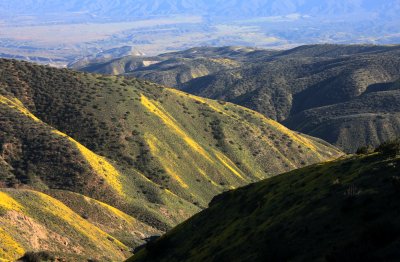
34 221
340 93
114 161
345 210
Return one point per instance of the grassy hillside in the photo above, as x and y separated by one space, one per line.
33 221
345 210
156 154
365 120
297 87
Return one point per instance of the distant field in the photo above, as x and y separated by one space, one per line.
79 33
151 36
54 39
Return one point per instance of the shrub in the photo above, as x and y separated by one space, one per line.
3 212
37 257
390 148
363 150
352 191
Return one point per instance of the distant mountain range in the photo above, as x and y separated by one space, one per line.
217 8
48 31
346 95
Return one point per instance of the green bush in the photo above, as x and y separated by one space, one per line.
3 211
389 148
37 257
363 150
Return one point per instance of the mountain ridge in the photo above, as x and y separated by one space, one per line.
84 138
294 86
341 210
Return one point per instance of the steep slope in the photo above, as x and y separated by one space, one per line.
345 210
157 154
31 220
302 78
289 84
316 78
365 120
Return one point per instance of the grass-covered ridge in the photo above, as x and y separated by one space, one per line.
156 154
344 210
347 95
30 220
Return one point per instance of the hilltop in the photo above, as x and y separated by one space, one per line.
141 157
347 95
344 210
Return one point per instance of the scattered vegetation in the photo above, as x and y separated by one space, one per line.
339 93
147 151
345 210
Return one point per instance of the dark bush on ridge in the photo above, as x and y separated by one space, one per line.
37 257
389 148
364 150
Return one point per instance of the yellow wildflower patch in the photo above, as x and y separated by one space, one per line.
229 164
10 250
16 104
166 163
8 202
85 228
171 122
117 212
199 99
203 173
225 61
176 177
291 134
99 164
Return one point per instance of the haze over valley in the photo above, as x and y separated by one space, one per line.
59 32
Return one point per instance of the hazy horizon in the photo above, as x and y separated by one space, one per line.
63 31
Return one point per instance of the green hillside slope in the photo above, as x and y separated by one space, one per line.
365 120
345 210
33 221
284 85
157 154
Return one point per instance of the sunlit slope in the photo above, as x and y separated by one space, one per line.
172 138
347 95
155 153
344 210
52 161
35 155
33 221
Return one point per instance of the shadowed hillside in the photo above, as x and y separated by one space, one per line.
345 210
320 90
143 157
